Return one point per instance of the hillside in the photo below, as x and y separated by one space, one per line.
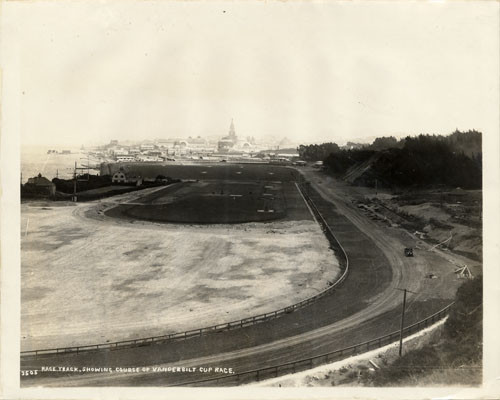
454 355
422 161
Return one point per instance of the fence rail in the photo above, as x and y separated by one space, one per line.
307 363
335 244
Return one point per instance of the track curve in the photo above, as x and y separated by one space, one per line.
365 306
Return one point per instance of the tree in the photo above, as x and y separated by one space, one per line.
317 152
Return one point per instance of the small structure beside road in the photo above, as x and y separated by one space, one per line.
126 177
40 185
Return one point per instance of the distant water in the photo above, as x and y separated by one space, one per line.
35 160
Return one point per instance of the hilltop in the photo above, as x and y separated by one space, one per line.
423 161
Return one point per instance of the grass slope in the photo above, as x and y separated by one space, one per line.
455 354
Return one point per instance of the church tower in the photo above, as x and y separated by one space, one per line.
232 132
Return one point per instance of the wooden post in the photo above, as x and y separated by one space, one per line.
402 324
74 184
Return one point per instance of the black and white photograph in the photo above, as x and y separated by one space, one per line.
278 198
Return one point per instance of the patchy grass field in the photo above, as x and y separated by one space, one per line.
220 171
218 202
88 278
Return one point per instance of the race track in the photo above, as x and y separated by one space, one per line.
366 305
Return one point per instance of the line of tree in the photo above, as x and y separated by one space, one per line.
468 142
84 182
317 152
454 160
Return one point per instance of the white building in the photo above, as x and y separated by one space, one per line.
147 146
126 177
120 152
146 158
125 158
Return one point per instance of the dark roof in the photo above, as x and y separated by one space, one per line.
40 181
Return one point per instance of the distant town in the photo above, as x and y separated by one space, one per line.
226 148
93 172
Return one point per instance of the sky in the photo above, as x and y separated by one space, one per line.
89 72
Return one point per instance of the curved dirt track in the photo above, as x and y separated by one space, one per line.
367 305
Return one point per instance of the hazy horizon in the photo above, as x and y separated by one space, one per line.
310 72
361 140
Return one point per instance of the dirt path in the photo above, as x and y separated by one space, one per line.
343 194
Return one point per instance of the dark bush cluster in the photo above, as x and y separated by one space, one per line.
84 182
317 152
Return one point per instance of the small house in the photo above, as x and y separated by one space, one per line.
126 178
42 185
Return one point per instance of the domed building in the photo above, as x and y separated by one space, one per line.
228 142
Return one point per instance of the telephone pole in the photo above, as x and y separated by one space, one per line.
402 320
402 324
74 184
75 179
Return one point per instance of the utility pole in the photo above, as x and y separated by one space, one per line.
74 184
402 320
75 179
402 324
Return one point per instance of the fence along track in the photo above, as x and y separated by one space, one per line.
308 363
335 244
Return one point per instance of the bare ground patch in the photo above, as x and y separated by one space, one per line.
90 280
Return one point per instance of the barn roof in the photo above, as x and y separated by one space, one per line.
40 181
